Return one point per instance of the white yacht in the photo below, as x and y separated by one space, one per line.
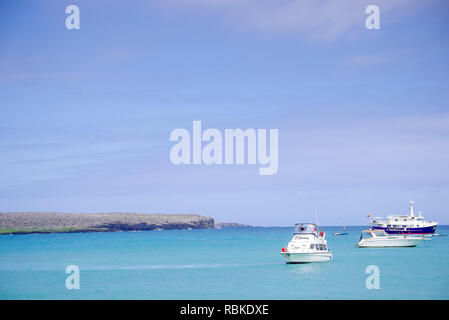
307 245
404 224
380 239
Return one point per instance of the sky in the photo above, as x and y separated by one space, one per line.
362 115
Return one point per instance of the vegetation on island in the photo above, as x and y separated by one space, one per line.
51 222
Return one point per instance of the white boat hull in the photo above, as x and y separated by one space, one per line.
389 243
306 257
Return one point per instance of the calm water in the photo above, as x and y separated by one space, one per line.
215 264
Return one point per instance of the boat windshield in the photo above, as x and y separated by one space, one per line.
365 235
306 228
371 234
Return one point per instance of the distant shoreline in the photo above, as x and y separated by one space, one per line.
52 222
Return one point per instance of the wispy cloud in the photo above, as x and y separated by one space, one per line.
315 19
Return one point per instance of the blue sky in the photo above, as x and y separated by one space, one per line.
363 115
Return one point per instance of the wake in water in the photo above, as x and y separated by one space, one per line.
179 266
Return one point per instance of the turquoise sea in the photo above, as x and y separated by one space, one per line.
215 264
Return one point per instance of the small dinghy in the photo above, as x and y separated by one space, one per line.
343 233
339 234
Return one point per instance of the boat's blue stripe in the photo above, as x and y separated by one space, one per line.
422 230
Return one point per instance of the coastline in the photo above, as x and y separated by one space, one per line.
52 222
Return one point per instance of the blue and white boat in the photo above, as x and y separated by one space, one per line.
343 233
404 224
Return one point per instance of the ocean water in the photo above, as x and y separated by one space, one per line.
215 264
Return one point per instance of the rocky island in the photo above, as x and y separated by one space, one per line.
51 222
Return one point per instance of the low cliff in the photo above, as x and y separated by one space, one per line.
48 222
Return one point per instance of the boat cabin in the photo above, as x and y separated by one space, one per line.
367 234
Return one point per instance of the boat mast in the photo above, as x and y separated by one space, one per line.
412 214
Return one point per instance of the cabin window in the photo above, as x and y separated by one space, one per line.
388 225
311 246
